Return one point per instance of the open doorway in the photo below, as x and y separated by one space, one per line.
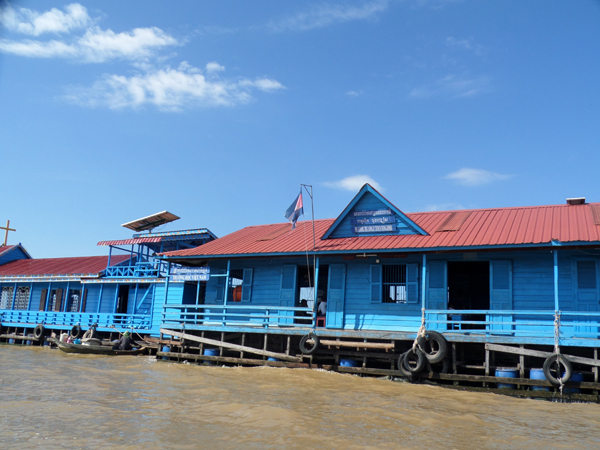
123 299
469 289
306 297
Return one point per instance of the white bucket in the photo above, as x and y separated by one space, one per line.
63 337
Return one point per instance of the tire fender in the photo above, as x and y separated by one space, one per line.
75 331
434 347
309 351
39 331
552 369
414 361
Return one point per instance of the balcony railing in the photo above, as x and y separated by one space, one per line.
140 270
237 315
64 320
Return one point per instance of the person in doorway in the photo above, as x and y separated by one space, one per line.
322 308
124 343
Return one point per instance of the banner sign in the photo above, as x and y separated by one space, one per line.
375 228
377 212
179 274
380 220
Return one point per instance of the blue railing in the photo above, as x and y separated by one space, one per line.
532 324
139 270
63 320
237 315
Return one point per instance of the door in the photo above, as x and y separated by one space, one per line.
287 295
437 294
335 296
500 296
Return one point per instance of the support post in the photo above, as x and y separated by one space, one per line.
314 313
556 305
423 281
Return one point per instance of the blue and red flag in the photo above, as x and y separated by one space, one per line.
295 210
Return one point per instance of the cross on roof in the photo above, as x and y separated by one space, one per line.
7 230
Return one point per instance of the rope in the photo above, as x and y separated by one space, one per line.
422 333
557 346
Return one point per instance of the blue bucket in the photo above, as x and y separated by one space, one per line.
211 352
270 358
507 373
166 349
349 363
538 374
577 377
11 341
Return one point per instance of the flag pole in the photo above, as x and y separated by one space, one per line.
315 273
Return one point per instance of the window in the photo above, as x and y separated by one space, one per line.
240 285
6 296
74 298
394 284
22 298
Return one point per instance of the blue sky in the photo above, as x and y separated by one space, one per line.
218 111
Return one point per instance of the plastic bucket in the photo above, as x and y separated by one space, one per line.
11 341
538 374
166 349
270 358
349 363
577 377
211 352
506 373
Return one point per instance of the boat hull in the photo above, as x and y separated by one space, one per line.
95 349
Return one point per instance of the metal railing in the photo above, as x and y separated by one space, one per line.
21 318
238 315
532 323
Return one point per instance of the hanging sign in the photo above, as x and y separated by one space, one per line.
377 220
375 228
377 212
179 274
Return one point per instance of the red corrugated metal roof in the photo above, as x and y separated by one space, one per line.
517 226
5 248
60 266
133 241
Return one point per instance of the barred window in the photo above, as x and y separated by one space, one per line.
394 283
74 298
22 297
6 296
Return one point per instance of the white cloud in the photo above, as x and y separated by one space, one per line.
465 44
475 177
354 183
27 21
214 67
325 14
444 207
353 93
453 86
168 89
95 45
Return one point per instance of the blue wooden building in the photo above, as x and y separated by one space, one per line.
498 276
122 291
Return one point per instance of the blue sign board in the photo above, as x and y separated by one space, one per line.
375 228
377 220
179 274
373 213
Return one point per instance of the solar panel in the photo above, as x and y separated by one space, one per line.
150 222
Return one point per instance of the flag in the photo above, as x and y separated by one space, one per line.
295 210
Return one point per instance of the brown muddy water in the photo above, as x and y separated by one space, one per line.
53 400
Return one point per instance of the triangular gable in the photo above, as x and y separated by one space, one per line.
371 214
11 253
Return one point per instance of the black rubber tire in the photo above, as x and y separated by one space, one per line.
434 368
75 331
413 361
401 369
434 346
552 369
314 348
39 331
